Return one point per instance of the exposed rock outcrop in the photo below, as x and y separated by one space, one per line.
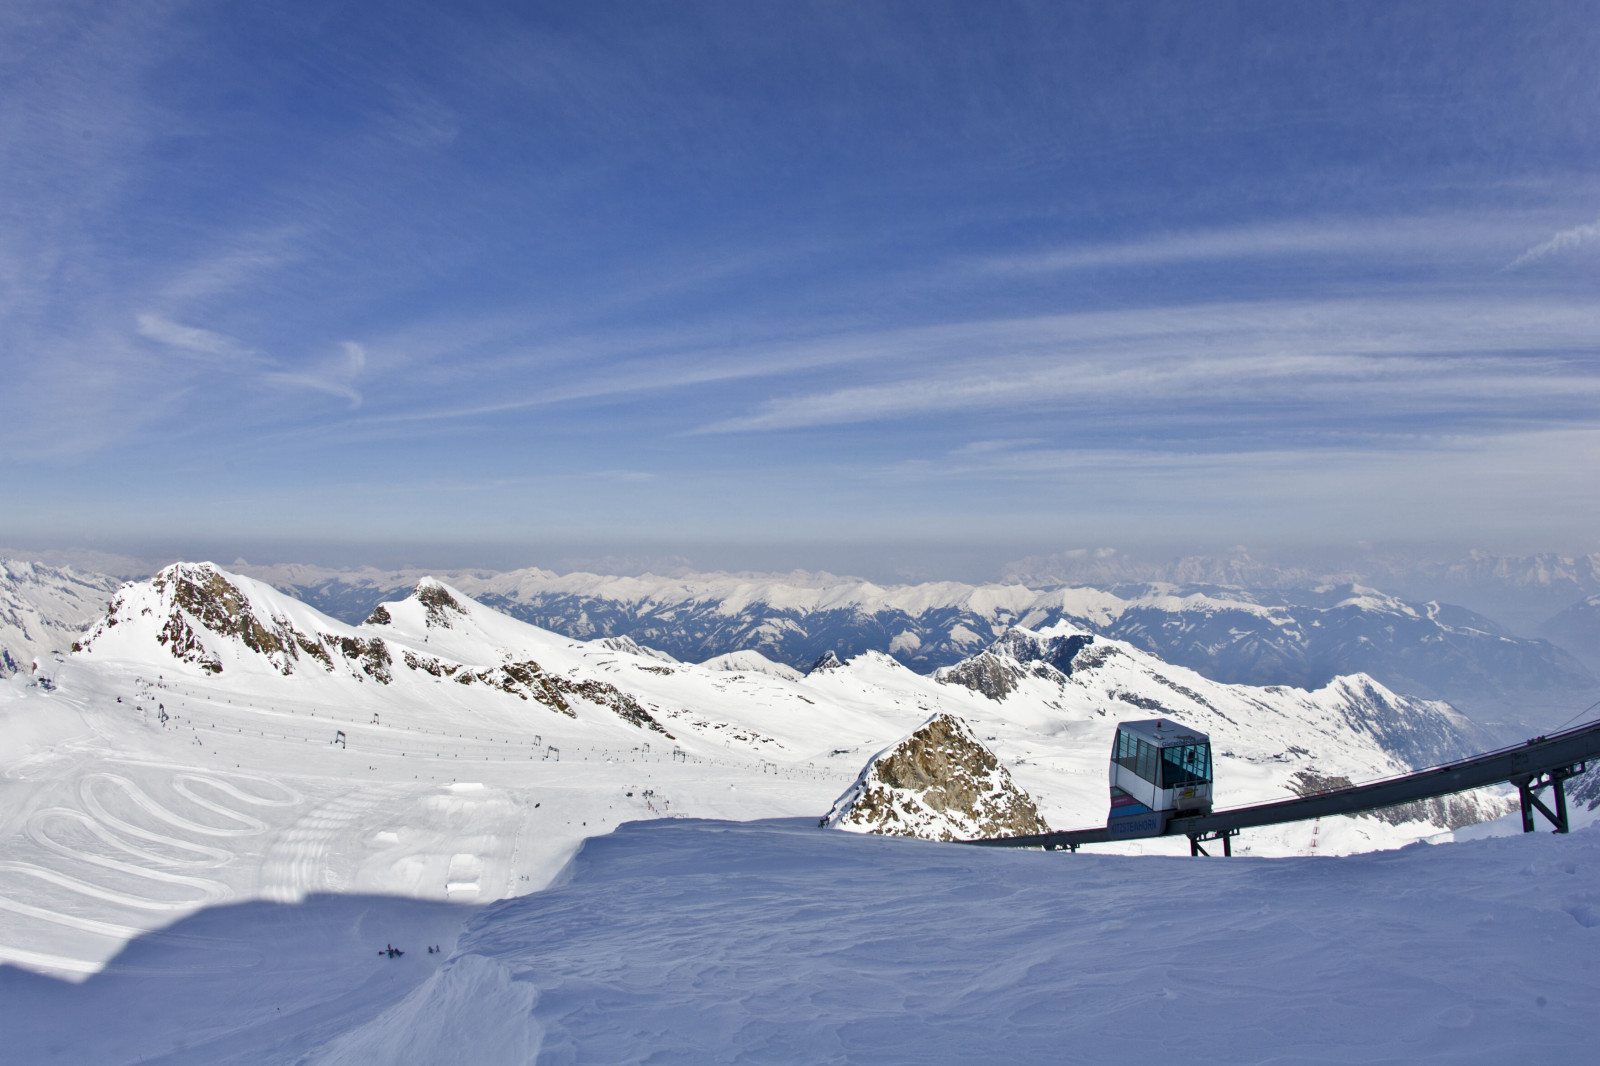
825 662
1447 812
1018 653
939 783
440 605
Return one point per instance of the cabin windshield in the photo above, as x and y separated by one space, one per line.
1188 765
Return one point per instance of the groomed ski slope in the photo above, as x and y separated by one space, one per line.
696 942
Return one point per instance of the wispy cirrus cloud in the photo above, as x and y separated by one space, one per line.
335 375
1355 359
1411 237
1569 240
191 338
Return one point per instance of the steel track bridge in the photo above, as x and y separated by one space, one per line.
1545 762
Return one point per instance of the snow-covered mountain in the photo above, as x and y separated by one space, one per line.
1060 667
1578 629
44 608
1303 637
213 739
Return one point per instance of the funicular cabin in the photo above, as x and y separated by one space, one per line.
1158 768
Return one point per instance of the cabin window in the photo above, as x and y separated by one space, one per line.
1186 765
1127 751
1136 755
1146 766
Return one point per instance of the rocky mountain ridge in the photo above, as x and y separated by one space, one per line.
217 621
938 783
1059 665
1261 636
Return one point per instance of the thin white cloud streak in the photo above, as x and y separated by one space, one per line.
1396 237
316 384
335 376
940 356
188 338
1571 240
336 379
1433 354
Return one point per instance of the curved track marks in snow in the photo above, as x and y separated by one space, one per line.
137 844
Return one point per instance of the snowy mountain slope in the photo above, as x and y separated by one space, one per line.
711 942
43 609
1577 629
750 662
1302 637
214 740
1271 730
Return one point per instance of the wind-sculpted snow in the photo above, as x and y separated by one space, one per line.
695 942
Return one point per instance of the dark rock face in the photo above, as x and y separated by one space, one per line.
439 603
939 783
825 662
990 674
200 600
1017 654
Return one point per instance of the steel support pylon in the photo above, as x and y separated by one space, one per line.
1224 835
1529 786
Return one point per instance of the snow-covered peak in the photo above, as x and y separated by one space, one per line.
828 660
629 646
750 662
212 620
440 619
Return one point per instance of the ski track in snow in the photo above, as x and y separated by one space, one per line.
121 856
298 861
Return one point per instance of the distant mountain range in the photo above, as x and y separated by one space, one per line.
1262 636
44 608
1275 635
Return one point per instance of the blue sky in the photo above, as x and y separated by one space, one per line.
790 277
